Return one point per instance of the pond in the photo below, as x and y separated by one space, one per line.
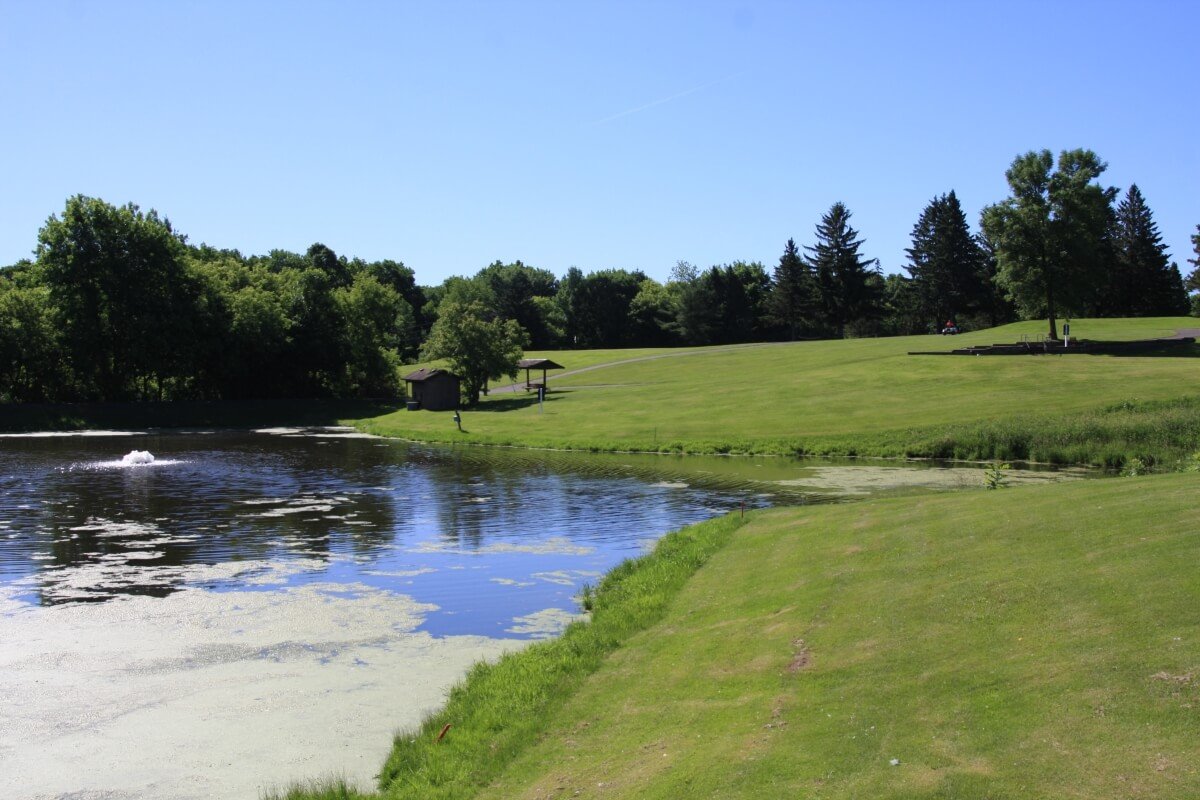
253 607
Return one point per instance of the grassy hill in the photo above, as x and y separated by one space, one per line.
861 396
1031 642
1036 642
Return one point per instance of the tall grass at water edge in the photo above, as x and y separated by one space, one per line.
1164 433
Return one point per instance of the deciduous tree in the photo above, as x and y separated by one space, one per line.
1050 235
121 294
478 348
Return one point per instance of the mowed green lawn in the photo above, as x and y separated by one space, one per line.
1031 642
774 397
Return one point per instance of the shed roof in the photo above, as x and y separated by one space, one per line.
425 373
538 363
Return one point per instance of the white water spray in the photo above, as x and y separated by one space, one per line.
137 457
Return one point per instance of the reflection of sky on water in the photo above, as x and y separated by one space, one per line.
489 537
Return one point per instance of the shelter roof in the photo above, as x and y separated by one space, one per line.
425 373
538 363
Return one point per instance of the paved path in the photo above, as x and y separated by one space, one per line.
520 387
1184 333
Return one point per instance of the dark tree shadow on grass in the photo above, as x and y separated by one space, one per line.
500 403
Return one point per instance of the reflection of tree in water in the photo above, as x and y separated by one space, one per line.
230 498
109 531
492 495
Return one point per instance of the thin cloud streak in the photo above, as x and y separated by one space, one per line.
664 100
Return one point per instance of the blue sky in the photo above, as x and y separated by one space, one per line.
597 135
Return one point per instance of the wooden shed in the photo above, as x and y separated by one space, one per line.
432 389
543 364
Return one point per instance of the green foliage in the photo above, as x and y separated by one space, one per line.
1144 282
1193 279
794 302
1135 467
903 308
652 314
996 475
1190 463
119 307
379 324
845 290
329 789
31 367
515 289
477 348
597 306
723 305
587 597
121 296
1050 235
945 263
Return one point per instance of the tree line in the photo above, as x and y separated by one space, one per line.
117 305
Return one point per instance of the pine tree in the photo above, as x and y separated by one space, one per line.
1144 282
843 277
793 298
945 262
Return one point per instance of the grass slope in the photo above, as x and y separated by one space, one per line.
1034 642
863 396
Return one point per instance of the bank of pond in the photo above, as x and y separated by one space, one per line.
275 602
1034 643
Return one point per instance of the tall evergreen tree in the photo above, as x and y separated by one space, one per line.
793 298
843 276
1144 282
945 262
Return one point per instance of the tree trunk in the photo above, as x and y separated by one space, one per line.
1050 311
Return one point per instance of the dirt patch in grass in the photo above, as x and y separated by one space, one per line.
1181 680
801 657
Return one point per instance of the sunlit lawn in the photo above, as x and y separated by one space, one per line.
761 397
1033 642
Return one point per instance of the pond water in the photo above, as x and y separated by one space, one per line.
251 608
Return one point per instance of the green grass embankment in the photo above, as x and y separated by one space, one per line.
1030 642
855 397
1034 642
